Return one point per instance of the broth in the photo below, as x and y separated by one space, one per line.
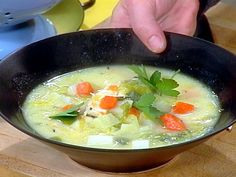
125 119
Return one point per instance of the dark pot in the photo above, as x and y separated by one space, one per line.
25 69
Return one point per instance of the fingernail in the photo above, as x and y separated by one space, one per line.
155 43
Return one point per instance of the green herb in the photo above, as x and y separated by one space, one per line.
152 113
156 83
134 96
138 71
145 100
125 108
176 72
68 115
144 104
156 77
167 86
134 85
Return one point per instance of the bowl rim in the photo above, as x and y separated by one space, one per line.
93 149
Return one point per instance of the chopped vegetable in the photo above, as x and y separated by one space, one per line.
121 140
134 96
155 82
96 140
108 102
103 123
113 88
140 144
172 122
135 86
134 111
129 129
124 107
66 107
84 89
182 108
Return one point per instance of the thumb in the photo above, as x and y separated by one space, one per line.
145 26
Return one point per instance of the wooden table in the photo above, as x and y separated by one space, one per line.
21 155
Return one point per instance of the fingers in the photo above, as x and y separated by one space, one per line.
182 18
143 22
189 21
149 20
120 18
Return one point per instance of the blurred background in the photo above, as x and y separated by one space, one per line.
230 1
29 21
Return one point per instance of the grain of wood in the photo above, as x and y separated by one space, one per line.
222 20
5 172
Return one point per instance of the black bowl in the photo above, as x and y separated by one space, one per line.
25 69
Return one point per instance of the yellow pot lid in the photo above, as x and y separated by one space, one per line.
68 15
101 10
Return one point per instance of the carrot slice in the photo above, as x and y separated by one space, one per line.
134 111
66 107
84 89
172 122
182 108
108 102
113 88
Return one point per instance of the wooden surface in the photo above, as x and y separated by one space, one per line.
222 20
23 156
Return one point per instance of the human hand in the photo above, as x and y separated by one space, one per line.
149 18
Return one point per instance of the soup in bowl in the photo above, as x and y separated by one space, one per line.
109 103
110 107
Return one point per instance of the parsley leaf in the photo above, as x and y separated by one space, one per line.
147 82
156 83
144 104
68 114
138 71
152 112
142 75
145 100
167 86
176 72
144 72
155 77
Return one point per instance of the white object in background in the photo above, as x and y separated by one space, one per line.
15 37
13 12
